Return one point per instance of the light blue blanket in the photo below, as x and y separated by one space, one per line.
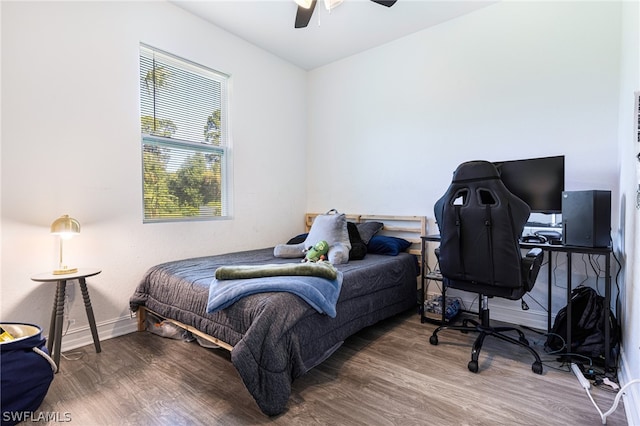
321 293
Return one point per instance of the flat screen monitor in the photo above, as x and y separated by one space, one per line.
539 182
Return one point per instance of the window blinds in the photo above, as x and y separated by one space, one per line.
182 116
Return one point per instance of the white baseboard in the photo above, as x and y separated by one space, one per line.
529 318
81 336
631 397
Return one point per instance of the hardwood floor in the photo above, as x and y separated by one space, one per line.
387 374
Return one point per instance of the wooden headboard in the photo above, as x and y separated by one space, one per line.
411 228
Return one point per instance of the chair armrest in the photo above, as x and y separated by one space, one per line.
535 253
531 264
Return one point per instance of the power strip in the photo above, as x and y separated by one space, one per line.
583 381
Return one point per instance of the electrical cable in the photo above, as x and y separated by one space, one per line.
544 308
617 284
567 354
586 271
547 364
555 268
70 356
597 270
603 416
464 306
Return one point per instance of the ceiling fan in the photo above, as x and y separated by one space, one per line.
306 8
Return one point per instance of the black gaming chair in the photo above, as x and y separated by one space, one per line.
480 224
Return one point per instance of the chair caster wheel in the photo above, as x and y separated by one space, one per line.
473 366
536 367
433 339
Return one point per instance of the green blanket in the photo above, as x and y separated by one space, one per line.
238 272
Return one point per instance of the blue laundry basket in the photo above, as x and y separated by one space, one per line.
26 371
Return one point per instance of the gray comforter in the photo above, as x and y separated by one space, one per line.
276 336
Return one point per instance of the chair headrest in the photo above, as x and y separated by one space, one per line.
475 170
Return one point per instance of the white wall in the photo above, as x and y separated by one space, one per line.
629 214
512 80
71 144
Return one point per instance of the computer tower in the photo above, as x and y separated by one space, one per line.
586 218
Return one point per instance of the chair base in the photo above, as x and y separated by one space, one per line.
486 330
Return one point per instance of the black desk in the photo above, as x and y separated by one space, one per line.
549 249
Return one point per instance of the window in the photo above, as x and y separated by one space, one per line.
183 108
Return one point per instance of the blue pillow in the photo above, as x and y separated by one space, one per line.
390 246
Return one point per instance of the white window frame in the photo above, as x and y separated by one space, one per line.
185 144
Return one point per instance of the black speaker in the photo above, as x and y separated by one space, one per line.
586 218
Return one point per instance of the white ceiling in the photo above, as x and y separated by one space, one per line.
350 28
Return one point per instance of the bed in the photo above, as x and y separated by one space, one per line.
275 337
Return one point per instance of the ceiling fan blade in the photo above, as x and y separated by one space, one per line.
303 16
387 3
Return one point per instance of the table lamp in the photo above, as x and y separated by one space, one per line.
65 227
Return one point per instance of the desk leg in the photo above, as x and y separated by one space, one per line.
59 319
569 350
550 289
90 317
607 304
423 271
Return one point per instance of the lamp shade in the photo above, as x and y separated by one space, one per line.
65 225
304 3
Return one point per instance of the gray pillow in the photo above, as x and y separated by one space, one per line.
330 227
289 251
368 230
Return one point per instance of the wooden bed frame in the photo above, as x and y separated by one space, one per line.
411 228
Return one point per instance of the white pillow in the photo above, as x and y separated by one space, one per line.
330 227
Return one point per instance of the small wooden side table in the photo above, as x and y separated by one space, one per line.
57 315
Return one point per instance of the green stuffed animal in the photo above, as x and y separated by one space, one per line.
317 253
